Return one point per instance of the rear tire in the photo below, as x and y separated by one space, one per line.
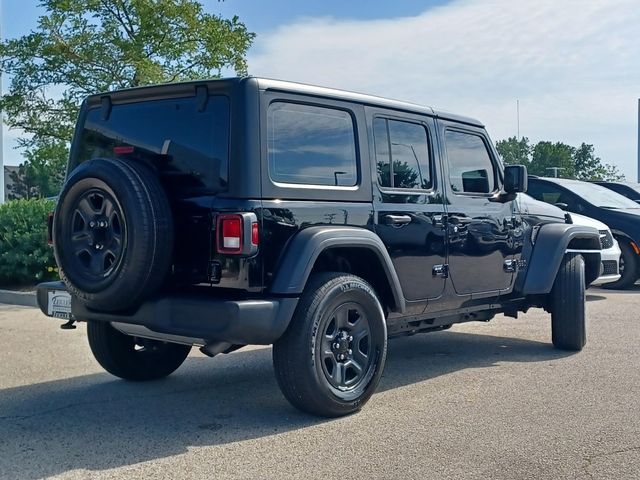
131 358
568 327
330 359
629 267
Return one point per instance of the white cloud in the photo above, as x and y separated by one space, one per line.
574 65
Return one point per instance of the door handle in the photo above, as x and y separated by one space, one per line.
397 220
460 221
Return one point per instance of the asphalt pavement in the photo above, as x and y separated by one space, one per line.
481 400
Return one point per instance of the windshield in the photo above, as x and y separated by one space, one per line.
600 196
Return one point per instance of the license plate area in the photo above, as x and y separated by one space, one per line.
59 304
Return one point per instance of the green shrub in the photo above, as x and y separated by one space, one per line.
25 257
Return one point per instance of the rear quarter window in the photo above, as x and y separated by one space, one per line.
311 145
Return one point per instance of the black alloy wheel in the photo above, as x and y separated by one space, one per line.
345 349
330 360
98 233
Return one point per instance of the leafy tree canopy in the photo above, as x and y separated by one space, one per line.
543 157
81 47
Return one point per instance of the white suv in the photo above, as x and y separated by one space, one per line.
610 253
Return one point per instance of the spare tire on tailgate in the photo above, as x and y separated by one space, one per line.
113 233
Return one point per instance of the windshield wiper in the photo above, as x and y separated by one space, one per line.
618 208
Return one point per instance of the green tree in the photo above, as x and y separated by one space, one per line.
42 173
541 158
82 47
612 174
590 167
587 165
514 151
23 184
548 155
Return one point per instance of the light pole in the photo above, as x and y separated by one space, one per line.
1 128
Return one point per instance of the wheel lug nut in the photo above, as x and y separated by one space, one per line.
351 338
92 224
98 246
350 352
336 346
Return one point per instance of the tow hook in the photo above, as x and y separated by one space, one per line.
69 325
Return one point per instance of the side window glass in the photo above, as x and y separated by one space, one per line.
470 167
546 192
402 154
311 145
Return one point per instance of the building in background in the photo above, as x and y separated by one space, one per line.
10 172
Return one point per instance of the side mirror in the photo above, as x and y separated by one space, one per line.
515 179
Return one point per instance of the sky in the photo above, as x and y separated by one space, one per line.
573 65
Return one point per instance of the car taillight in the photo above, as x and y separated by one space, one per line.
255 236
237 234
230 234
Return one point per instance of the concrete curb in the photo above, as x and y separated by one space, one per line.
25 299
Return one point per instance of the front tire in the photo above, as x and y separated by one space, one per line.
568 327
131 358
330 359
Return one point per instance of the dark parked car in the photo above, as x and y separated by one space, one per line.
619 213
628 189
248 211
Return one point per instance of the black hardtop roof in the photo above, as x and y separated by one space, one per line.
303 88
179 88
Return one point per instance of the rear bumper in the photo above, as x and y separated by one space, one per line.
245 322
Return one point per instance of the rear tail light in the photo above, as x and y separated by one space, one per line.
237 234
255 234
230 234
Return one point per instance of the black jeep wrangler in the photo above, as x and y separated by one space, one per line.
245 211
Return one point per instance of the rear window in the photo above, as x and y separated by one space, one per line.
189 144
311 145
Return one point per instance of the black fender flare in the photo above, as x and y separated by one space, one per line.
552 241
298 258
